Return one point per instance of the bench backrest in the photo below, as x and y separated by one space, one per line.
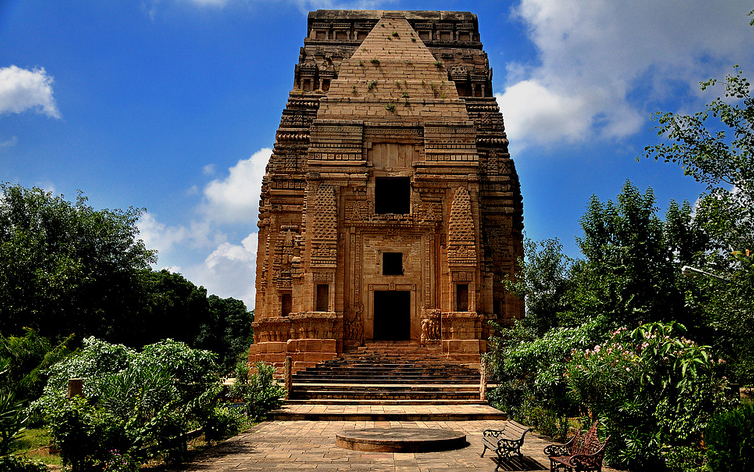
515 430
587 443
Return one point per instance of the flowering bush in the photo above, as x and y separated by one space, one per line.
529 373
654 391
117 462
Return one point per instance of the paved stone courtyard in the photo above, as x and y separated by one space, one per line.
299 445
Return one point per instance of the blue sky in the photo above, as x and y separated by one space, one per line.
172 105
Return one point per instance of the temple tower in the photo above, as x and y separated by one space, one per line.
390 209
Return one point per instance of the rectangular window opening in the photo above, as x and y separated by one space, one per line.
392 195
286 304
462 297
392 263
323 297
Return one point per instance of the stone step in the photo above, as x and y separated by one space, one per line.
387 387
380 379
364 402
389 373
405 395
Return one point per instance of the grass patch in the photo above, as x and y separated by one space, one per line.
34 443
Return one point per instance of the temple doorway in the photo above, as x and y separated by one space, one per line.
392 315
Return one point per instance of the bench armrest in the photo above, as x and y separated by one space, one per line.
494 433
555 450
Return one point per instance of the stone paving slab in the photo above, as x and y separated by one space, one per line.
310 445
382 412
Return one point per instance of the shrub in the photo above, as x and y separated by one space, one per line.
654 391
223 422
21 464
531 369
12 420
140 404
260 391
84 433
730 440
117 462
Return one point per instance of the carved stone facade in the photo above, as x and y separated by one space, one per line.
390 209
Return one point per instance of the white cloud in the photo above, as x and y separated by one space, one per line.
10 142
22 90
594 54
228 204
210 3
159 236
209 169
229 271
235 199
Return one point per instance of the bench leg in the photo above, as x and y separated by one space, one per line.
483 451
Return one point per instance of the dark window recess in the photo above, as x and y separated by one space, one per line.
286 304
462 297
323 297
392 263
392 195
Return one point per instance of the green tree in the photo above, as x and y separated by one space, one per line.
27 358
633 259
229 331
545 283
66 267
171 306
715 146
138 403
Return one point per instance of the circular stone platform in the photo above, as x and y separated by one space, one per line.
400 439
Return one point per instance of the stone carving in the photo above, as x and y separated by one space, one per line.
354 325
430 326
389 182
461 247
324 234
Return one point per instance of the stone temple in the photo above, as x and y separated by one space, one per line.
390 209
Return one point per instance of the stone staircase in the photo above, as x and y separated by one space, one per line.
387 373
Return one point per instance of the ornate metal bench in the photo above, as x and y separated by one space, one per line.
581 453
506 441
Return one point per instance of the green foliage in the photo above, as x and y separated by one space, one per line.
529 370
633 259
229 332
544 283
27 357
260 391
138 403
21 464
12 420
715 146
223 422
170 307
66 267
83 432
730 440
653 390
